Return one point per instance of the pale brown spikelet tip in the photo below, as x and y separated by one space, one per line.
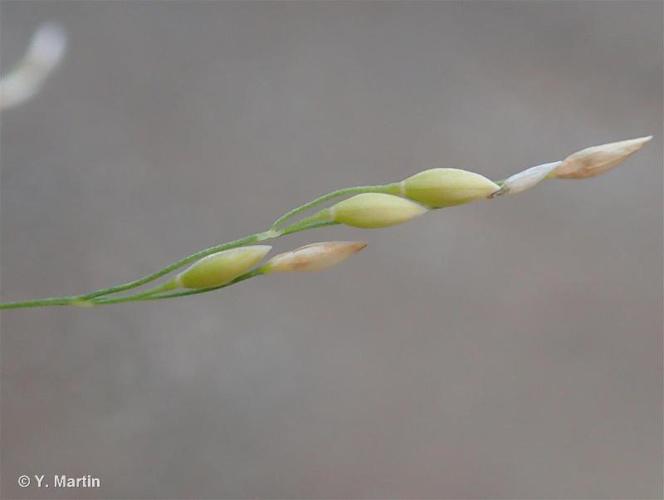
356 246
596 160
630 146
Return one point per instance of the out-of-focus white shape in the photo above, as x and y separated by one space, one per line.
46 50
526 179
596 160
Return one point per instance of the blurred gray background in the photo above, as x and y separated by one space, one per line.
503 350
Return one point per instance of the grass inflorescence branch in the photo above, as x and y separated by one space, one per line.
366 207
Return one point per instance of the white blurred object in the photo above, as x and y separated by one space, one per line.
46 51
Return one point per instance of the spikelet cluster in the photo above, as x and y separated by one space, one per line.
224 267
416 195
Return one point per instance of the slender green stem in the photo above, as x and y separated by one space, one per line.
51 301
315 225
82 301
146 295
171 295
